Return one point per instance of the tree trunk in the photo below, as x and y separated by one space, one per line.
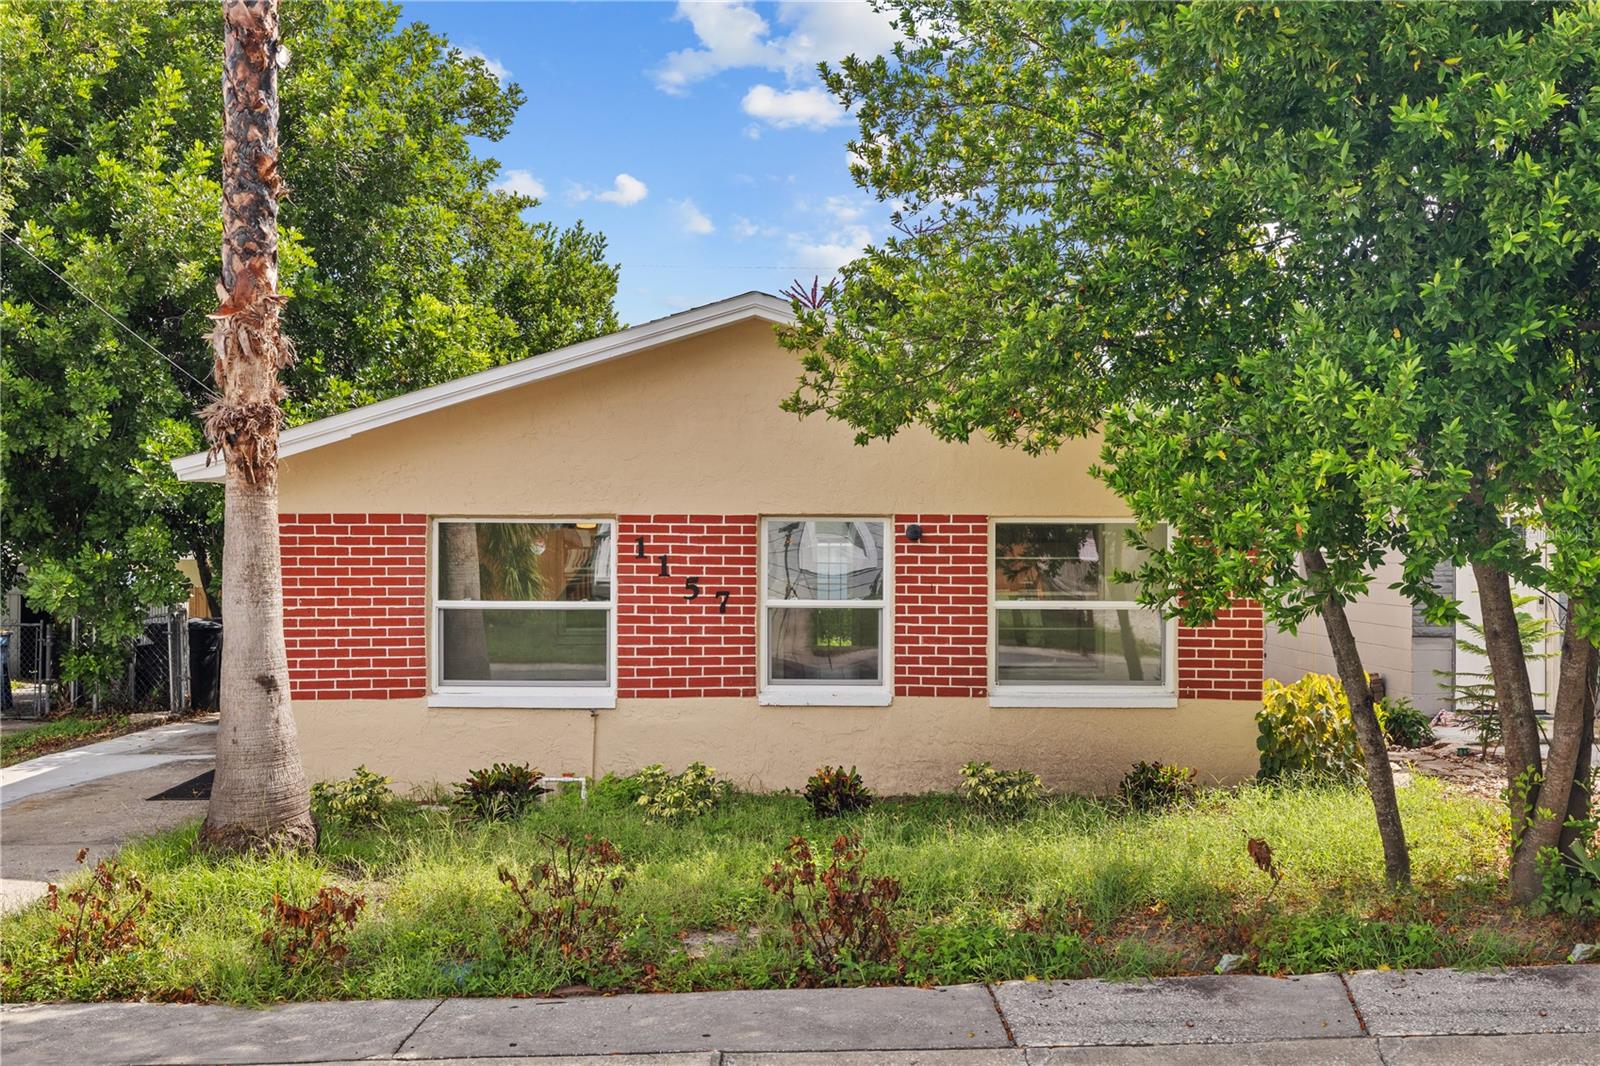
1369 734
1519 729
1571 734
466 641
259 797
1582 804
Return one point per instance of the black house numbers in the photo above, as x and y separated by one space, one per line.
691 585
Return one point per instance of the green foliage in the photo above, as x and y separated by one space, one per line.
1150 786
1081 888
1002 795
1305 729
357 800
1572 881
1319 942
841 922
1403 725
502 792
833 790
677 797
403 265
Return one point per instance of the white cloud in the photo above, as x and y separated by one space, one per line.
744 229
691 219
733 36
497 68
826 254
521 182
626 190
812 108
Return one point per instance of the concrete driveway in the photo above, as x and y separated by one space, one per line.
95 797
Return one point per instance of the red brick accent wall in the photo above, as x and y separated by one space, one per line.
354 604
667 644
941 606
1224 660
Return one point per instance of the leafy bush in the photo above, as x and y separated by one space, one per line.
840 921
833 790
1000 794
1150 786
358 800
501 792
1305 728
568 902
101 917
1319 942
675 797
314 937
1572 883
1403 725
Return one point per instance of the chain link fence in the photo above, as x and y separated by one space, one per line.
155 675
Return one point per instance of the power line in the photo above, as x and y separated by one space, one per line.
96 304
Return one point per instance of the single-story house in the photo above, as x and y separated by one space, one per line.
622 553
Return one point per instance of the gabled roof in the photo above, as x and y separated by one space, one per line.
654 334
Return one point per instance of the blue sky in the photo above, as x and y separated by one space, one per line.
695 136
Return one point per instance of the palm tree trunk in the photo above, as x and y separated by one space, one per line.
1519 729
1369 734
259 796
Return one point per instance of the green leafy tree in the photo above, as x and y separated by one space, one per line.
1323 272
405 266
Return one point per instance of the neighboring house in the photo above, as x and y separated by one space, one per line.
1415 658
622 553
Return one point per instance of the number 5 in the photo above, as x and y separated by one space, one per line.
693 585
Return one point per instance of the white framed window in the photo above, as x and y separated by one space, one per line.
1066 633
524 613
825 612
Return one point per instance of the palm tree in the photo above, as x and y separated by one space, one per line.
259 797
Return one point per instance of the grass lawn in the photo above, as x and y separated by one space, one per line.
1078 888
59 734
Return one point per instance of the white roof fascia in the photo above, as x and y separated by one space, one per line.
324 431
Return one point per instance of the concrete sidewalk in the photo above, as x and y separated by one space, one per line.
1414 1018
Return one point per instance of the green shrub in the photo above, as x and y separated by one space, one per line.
1150 786
1000 794
498 793
675 797
833 790
1403 725
357 800
1306 729
1572 883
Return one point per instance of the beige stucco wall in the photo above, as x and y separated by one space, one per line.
692 427
1381 620
913 745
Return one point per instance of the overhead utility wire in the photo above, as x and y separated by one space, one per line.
130 330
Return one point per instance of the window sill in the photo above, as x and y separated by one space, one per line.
843 696
1022 697
535 698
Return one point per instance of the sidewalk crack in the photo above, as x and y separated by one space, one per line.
1354 1007
1004 1023
420 1022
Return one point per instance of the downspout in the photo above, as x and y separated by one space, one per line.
594 744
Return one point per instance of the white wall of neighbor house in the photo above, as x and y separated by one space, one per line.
1382 624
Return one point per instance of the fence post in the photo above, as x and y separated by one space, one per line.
48 644
177 659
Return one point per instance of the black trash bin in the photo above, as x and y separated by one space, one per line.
205 664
